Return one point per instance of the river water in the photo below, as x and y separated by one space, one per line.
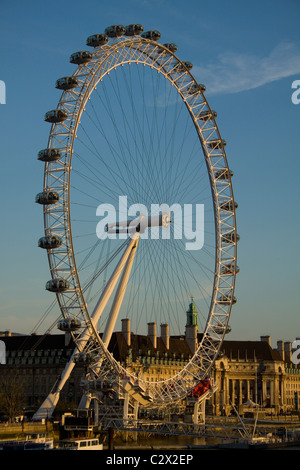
161 442
176 443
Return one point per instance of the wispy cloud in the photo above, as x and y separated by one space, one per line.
233 72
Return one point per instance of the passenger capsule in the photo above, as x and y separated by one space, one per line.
55 115
229 206
57 285
154 35
47 197
224 174
134 30
227 298
182 66
96 40
216 144
66 83
84 358
171 46
49 242
49 155
231 237
206 115
81 57
69 324
230 269
220 330
115 31
195 88
188 65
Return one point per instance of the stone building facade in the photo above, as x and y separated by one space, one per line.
251 373
247 373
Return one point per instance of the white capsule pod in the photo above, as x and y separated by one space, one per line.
223 174
57 285
231 237
55 115
229 206
154 35
96 40
49 242
49 155
69 324
115 31
216 144
206 115
134 30
226 298
66 83
80 57
171 46
183 66
84 358
47 197
230 269
196 88
222 329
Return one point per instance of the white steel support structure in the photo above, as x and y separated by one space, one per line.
51 401
120 294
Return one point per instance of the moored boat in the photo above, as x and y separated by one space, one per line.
79 444
34 441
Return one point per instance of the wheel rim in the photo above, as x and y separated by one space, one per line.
108 59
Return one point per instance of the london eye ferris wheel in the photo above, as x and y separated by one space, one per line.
139 211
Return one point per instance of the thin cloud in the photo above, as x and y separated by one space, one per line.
233 73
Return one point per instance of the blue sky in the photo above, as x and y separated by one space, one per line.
248 55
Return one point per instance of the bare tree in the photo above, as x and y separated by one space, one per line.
12 395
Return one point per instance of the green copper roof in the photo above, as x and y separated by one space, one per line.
192 314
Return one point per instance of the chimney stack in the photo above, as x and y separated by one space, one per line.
280 349
287 351
267 339
164 332
126 330
152 334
